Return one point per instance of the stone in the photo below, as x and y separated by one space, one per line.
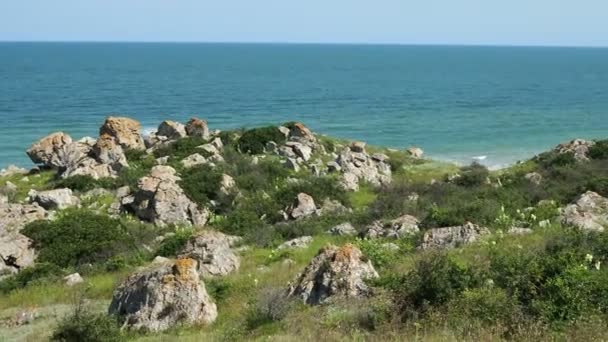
334 272
287 152
197 128
301 242
301 133
284 130
578 147
358 146
14 216
213 252
54 199
343 229
350 182
16 252
73 279
271 147
400 227
452 237
171 129
534 178
159 199
107 151
415 152
227 185
163 296
303 206
193 160
210 149
356 165
44 151
126 131
380 157
292 164
333 207
519 231
217 142
162 160
303 151
12 170
589 212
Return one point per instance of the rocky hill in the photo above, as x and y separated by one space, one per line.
278 233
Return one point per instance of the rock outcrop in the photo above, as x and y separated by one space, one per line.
452 237
578 147
160 199
303 206
126 131
213 253
415 152
163 296
171 129
46 150
54 199
197 128
15 252
397 228
334 272
589 212
14 216
357 165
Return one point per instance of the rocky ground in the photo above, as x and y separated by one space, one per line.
279 233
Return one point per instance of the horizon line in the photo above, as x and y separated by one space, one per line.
302 43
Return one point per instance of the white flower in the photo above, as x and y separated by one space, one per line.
589 258
597 265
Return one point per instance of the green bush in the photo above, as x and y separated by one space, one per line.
77 237
488 305
171 245
83 325
181 148
552 159
84 183
599 150
201 183
254 141
380 254
473 175
272 305
37 273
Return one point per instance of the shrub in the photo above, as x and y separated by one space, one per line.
39 272
83 325
599 150
599 185
83 183
254 141
551 159
487 305
181 148
201 183
272 305
77 237
171 245
380 254
473 175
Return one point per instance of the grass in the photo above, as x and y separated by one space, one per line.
25 183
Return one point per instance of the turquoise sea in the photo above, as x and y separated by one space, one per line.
457 103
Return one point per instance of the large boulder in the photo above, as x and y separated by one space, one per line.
45 150
162 296
126 132
54 199
578 147
452 237
303 206
397 228
14 216
334 272
161 200
171 129
197 128
589 212
213 253
107 151
299 132
16 252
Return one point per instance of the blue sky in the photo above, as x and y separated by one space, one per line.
496 22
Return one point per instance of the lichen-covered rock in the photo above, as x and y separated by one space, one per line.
45 150
334 272
197 128
303 206
299 132
16 252
213 253
397 228
451 237
171 129
161 200
589 212
54 199
578 147
163 296
107 151
126 131
301 242
356 165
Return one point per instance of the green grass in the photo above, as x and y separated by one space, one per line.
40 181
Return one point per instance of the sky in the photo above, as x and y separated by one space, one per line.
468 22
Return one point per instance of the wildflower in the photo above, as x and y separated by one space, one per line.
597 265
589 258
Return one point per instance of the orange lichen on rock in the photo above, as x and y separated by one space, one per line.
185 269
346 253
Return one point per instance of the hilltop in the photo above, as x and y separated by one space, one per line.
278 233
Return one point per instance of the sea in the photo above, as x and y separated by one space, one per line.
495 105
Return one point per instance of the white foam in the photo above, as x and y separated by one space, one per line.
148 130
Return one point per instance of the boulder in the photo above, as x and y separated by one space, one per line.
213 253
107 151
358 146
73 279
54 199
356 165
161 200
125 131
302 151
16 252
171 129
303 206
197 128
451 237
578 147
397 228
14 216
334 272
299 132
12 170
301 242
292 164
343 229
589 212
415 152
227 185
333 207
45 150
193 160
534 178
163 296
